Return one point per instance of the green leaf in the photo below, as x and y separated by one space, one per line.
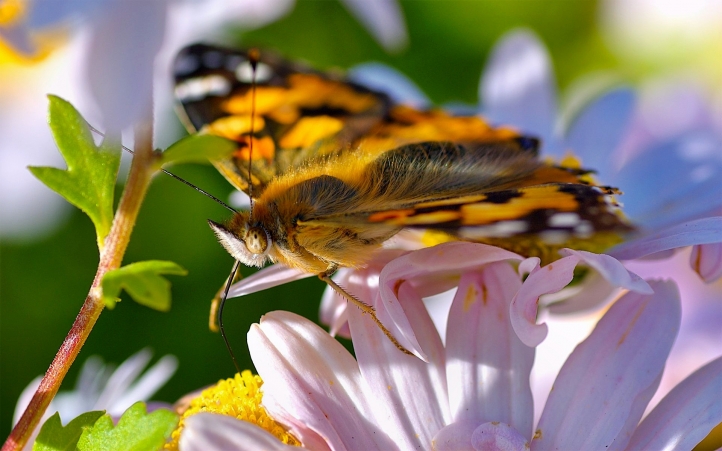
89 181
143 282
136 431
199 149
54 436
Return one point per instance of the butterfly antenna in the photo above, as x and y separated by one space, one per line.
231 277
253 57
182 180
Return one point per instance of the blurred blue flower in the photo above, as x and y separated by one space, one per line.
672 181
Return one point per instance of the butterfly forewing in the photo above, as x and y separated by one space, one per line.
299 114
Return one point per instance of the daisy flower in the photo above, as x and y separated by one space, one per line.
473 391
101 386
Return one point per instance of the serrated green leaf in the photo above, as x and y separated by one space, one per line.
54 436
199 149
143 282
89 181
136 431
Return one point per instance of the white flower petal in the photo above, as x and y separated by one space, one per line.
409 395
706 260
598 130
383 18
517 87
214 432
126 38
269 277
121 379
488 367
700 231
606 382
313 379
547 279
145 387
686 415
612 270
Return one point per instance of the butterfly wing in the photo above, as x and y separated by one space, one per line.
296 114
317 135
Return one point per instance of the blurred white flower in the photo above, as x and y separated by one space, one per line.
103 387
119 52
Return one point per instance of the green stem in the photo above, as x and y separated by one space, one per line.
141 171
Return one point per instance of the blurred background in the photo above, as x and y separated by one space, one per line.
48 254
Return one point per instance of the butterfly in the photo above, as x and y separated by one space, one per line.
335 169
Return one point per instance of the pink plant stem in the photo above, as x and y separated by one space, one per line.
111 256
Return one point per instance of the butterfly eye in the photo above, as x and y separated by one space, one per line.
257 240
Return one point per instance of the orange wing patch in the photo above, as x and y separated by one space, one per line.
530 199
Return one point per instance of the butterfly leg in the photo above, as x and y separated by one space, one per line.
364 307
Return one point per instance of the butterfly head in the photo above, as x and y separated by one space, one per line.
249 244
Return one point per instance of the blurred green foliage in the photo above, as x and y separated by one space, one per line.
43 283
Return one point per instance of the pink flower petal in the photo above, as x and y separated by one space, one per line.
362 283
425 269
269 277
498 437
488 367
548 279
454 437
686 415
706 260
409 395
333 311
592 292
700 231
214 432
310 377
612 270
606 383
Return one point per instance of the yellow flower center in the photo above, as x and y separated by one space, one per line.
11 12
240 398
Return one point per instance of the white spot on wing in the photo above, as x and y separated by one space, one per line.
200 87
501 229
564 220
244 73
